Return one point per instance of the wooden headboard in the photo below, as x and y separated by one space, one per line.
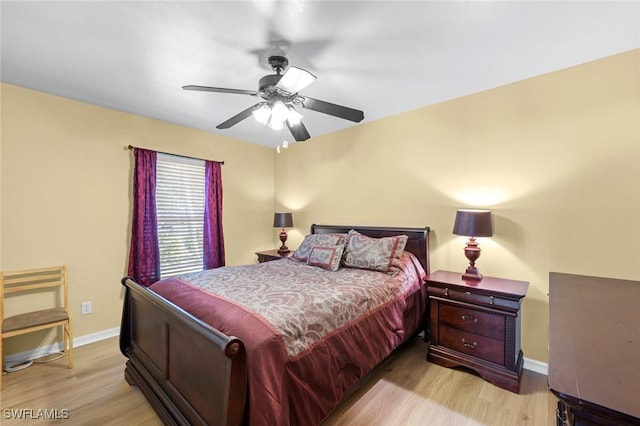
418 242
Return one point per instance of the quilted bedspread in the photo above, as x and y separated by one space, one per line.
310 333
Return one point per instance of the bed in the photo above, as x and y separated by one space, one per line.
212 359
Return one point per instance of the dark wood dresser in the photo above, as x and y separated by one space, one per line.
594 349
476 324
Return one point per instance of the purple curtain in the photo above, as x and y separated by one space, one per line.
213 241
144 253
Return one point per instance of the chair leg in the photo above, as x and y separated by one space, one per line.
69 338
65 339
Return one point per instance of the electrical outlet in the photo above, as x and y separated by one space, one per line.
85 308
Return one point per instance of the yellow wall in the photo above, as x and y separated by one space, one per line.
65 196
556 157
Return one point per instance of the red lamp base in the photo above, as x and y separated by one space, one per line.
472 274
472 252
283 238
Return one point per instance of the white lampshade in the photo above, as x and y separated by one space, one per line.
262 113
294 116
279 111
276 124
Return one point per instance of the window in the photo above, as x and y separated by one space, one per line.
180 209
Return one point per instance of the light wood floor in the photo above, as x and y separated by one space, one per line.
405 391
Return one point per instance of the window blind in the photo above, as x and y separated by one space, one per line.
180 210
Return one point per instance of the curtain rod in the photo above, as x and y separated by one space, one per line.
131 147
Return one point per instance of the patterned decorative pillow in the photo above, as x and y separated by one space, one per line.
378 254
325 240
326 257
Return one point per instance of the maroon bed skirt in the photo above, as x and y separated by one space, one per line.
304 389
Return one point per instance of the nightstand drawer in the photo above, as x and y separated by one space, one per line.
472 344
473 321
491 300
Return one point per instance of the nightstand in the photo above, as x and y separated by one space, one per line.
269 255
476 324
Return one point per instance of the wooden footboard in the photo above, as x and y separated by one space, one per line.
190 372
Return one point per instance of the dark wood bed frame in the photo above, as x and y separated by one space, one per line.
190 372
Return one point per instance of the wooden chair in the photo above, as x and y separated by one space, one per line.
28 281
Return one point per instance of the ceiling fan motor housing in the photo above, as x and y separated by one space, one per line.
278 63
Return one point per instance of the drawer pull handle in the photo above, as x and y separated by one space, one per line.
446 291
469 345
491 300
468 293
469 318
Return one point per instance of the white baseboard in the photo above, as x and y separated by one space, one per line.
57 347
96 337
536 366
528 364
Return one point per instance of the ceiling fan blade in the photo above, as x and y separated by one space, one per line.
295 79
299 131
220 90
238 117
333 109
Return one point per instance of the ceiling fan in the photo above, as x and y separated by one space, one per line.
280 99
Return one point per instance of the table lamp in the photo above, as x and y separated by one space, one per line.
472 224
283 220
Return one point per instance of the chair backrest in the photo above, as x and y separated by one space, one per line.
33 279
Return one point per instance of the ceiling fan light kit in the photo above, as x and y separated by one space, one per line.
280 99
262 113
294 117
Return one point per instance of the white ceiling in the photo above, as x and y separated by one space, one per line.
383 57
